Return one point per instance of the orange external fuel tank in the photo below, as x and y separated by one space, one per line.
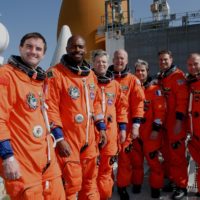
83 17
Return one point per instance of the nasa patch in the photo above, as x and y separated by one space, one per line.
31 101
110 97
37 131
74 92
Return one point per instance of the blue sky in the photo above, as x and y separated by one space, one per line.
23 16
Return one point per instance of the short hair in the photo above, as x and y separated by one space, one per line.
140 62
119 51
99 52
74 37
193 54
165 51
34 35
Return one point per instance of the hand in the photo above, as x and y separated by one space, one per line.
11 168
63 148
178 127
135 131
154 135
122 136
103 139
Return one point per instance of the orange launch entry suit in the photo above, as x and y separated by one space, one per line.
173 83
114 107
74 105
22 122
132 89
194 112
155 108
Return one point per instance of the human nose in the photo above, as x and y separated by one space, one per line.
33 50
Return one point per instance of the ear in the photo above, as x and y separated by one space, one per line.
20 48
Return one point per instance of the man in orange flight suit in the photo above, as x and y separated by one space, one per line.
173 83
193 66
131 87
114 107
29 164
150 132
74 109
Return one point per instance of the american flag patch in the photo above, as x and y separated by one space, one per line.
158 93
180 81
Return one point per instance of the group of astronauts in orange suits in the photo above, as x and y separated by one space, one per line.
62 130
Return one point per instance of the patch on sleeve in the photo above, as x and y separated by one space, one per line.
158 93
180 81
49 74
138 82
4 81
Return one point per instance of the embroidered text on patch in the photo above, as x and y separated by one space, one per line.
32 101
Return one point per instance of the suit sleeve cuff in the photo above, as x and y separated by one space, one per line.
156 127
180 116
100 126
122 126
57 133
137 120
6 150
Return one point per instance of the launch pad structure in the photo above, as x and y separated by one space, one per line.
143 38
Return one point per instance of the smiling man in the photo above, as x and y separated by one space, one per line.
74 109
173 83
29 163
131 87
193 78
150 131
114 107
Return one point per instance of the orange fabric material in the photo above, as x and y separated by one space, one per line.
72 173
132 89
194 148
137 163
53 190
178 166
116 110
155 109
61 101
19 121
80 177
194 144
195 90
166 155
66 100
15 189
176 92
156 176
124 171
116 107
89 190
156 171
104 180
